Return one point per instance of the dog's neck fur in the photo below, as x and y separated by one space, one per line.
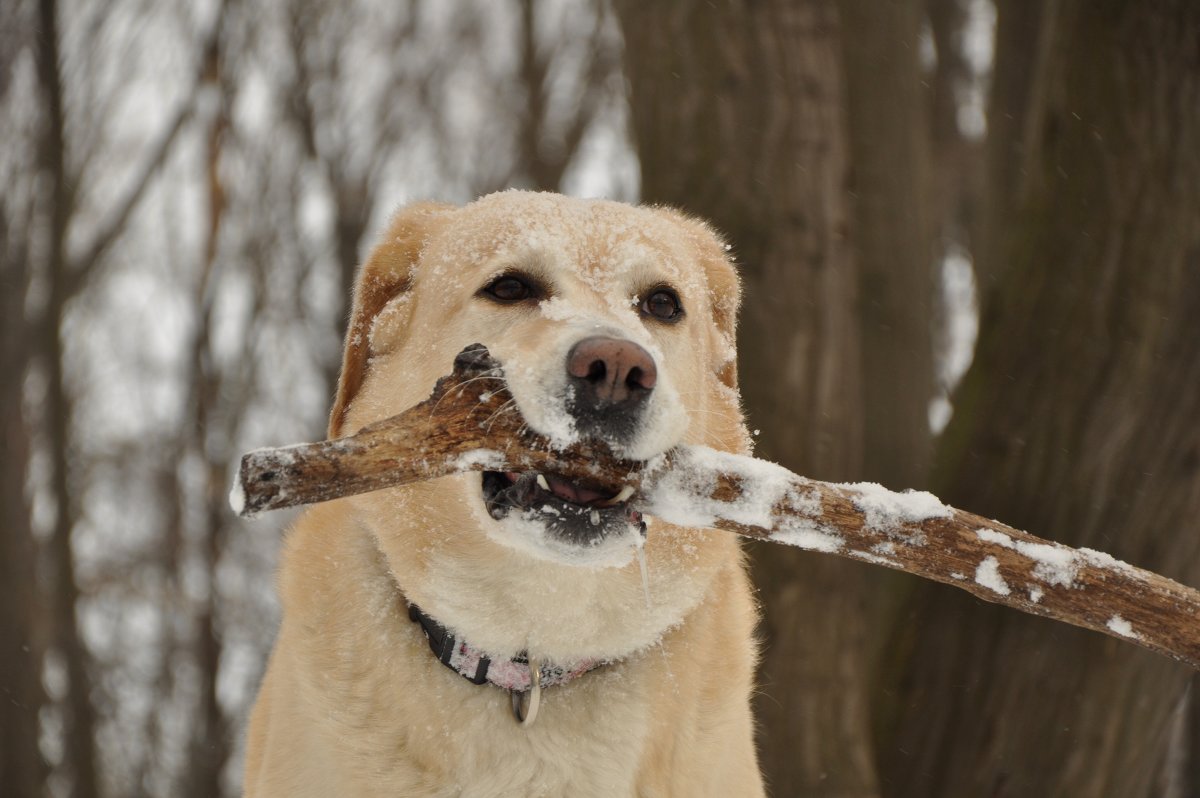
506 603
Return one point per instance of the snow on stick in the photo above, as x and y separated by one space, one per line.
466 425
916 533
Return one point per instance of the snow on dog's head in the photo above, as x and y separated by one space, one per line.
611 322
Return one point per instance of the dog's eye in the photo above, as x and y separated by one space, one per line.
663 304
511 288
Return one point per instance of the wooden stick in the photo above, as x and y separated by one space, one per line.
469 423
916 533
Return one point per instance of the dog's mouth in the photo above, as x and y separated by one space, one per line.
572 511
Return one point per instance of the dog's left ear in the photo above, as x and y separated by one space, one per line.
724 291
387 274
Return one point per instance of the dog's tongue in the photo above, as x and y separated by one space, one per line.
572 493
576 494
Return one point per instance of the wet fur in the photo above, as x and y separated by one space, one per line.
353 703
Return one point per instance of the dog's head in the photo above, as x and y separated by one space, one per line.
611 322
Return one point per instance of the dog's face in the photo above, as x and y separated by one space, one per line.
610 322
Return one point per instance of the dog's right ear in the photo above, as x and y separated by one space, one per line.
387 273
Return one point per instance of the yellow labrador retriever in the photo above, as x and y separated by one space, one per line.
494 635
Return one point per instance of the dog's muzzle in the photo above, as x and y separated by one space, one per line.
609 385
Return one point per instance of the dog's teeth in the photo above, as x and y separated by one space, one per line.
595 518
542 483
624 494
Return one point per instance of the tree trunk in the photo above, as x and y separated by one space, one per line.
210 738
1079 413
891 233
1190 777
21 696
79 734
953 182
22 768
740 120
1025 41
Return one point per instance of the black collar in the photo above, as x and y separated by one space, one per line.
514 675
442 643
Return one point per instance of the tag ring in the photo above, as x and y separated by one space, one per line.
526 715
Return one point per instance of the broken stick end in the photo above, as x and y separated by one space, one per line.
237 494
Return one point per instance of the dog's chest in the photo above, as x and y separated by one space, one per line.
586 740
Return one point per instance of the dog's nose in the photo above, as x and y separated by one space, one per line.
610 374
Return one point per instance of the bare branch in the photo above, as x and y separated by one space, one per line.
459 429
81 265
604 61
85 261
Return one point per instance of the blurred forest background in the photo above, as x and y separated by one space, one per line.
188 187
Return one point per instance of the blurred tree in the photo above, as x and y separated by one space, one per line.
351 136
187 189
68 262
208 436
21 695
743 120
892 228
75 219
80 716
1078 417
1106 155
560 101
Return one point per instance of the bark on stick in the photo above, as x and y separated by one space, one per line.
469 423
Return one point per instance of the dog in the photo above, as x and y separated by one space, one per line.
491 634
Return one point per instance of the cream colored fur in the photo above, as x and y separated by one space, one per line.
353 702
